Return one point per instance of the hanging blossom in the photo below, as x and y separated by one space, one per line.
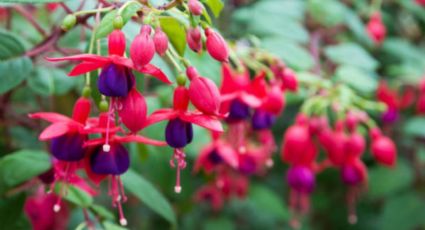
179 130
116 78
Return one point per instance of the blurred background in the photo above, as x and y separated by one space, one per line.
395 198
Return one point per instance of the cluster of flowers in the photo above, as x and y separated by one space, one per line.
344 146
252 105
95 144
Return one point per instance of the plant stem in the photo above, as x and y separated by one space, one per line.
99 10
29 17
173 61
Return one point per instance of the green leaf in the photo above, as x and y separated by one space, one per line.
11 213
403 212
222 223
149 195
268 201
106 25
111 226
384 182
14 67
327 12
175 32
351 54
102 211
216 6
48 82
415 127
358 78
293 54
76 195
20 166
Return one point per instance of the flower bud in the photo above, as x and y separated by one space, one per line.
160 40
133 110
194 39
355 145
81 110
289 80
142 48
384 150
195 7
376 29
216 46
116 43
204 95
274 101
191 72
181 98
296 142
118 22
69 22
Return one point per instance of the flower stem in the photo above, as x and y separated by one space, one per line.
99 10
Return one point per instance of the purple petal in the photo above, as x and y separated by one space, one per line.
350 175
301 179
178 133
114 162
68 147
262 120
115 81
238 111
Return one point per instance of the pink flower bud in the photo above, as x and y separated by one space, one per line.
216 46
274 101
376 29
81 110
181 98
161 41
192 72
289 80
195 7
384 150
142 48
194 39
116 43
133 110
204 95
355 145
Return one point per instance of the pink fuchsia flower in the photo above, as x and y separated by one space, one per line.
376 28
203 93
195 7
212 195
214 155
133 110
384 150
142 48
39 210
66 134
179 131
194 39
116 78
216 46
109 157
420 2
160 40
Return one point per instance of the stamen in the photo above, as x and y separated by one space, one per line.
117 193
106 147
179 161
57 207
269 163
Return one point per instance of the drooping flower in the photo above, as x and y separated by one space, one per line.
195 7
204 94
179 132
142 48
383 150
133 110
116 78
216 45
376 28
160 40
194 39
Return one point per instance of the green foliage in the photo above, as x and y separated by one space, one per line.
106 25
175 32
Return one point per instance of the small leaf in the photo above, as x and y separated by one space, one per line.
149 195
18 167
222 223
10 45
268 201
102 211
415 127
358 78
175 32
111 226
216 6
327 12
106 25
351 54
48 82
77 196
384 182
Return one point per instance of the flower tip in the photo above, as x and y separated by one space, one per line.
352 219
177 189
106 148
56 208
123 222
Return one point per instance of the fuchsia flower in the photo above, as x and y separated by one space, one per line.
216 46
420 2
133 110
194 39
142 48
195 7
179 131
376 28
383 148
39 210
116 78
203 93
160 40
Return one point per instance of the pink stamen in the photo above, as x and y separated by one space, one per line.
351 204
106 147
118 196
179 161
